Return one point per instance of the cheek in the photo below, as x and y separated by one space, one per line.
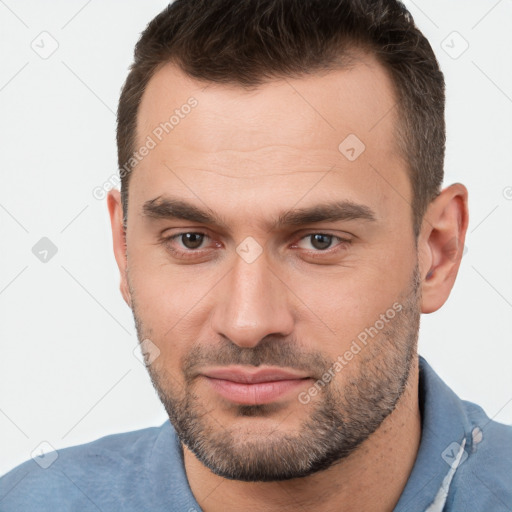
163 290
338 307
171 303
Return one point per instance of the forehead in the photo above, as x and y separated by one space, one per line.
279 138
357 98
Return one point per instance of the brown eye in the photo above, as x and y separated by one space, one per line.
192 240
321 241
322 244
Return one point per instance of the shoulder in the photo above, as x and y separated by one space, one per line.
466 454
485 473
81 477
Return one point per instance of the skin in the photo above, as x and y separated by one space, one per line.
248 157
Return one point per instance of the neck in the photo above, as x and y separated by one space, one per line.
372 478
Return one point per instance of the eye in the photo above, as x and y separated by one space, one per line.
319 241
191 240
189 244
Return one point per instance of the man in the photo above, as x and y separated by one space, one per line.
280 229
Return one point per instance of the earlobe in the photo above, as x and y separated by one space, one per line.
119 241
442 239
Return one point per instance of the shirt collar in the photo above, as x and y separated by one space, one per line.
445 434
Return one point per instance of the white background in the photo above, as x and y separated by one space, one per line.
67 369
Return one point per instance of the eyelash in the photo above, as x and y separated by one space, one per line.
182 254
342 245
191 253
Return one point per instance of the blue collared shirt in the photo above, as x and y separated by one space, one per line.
464 464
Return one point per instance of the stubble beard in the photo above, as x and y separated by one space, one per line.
341 419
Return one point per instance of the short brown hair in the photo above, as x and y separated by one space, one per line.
248 42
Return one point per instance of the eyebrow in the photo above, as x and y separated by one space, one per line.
329 212
172 208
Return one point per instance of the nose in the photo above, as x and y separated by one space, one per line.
253 302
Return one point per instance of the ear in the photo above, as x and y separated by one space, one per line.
115 209
441 245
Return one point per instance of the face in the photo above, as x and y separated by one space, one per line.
272 265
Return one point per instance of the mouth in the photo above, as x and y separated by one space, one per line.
245 386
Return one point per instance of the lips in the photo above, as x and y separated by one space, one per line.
251 387
247 376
